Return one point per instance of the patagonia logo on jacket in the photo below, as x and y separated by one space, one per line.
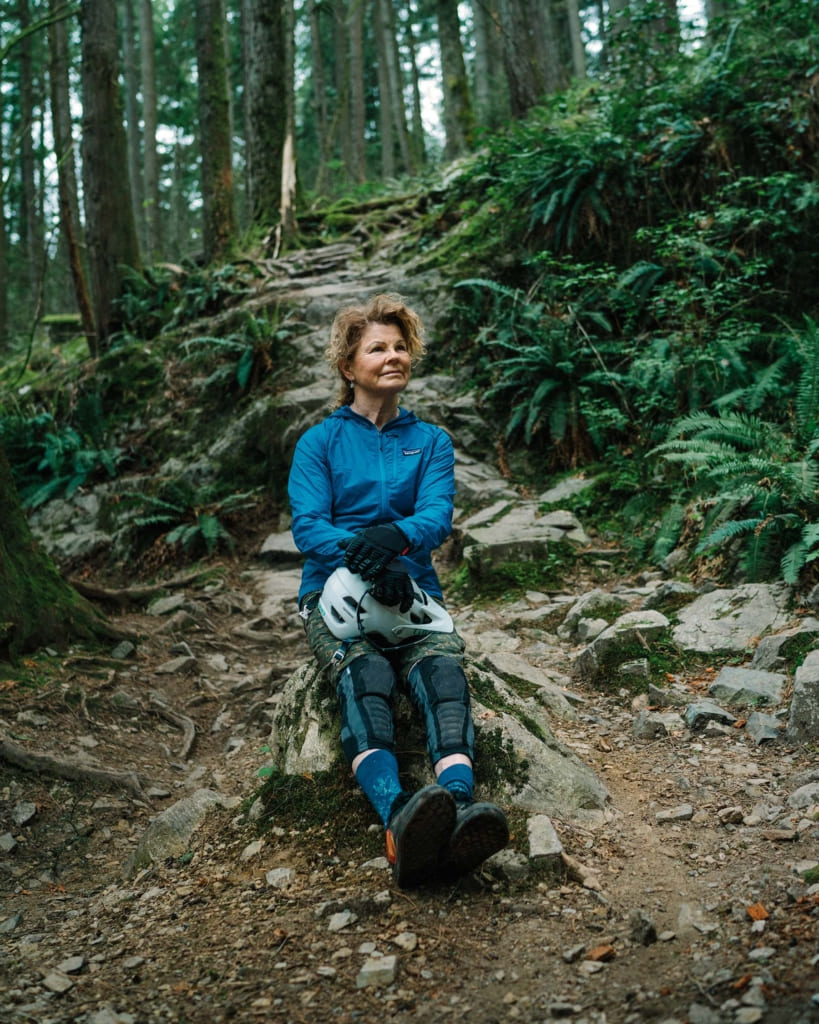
412 451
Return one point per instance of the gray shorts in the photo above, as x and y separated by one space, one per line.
334 655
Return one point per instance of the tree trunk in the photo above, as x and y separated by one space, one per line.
491 90
357 168
4 273
132 119
110 232
153 220
417 141
531 54
265 105
218 215
66 167
576 39
385 99
458 116
396 80
288 226
38 606
319 95
31 225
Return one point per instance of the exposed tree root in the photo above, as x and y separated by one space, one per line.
126 596
45 764
175 718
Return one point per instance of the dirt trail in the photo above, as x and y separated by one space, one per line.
208 937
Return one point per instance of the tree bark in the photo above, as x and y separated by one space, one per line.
385 99
490 89
31 223
218 214
318 81
110 232
576 39
357 168
153 220
288 227
4 274
531 54
265 104
39 608
132 118
417 141
396 80
66 167
458 116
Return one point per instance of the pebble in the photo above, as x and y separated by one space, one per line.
682 812
377 971
341 920
56 981
280 878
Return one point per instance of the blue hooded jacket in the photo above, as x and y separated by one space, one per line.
347 474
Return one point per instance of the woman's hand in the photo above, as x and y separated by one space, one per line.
394 587
371 550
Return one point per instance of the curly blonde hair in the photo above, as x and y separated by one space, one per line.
351 322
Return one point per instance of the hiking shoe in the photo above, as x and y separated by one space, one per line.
481 829
418 833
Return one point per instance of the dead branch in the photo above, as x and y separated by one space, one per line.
45 764
175 718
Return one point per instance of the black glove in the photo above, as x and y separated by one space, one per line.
371 550
394 587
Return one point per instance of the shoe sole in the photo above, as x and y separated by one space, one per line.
482 834
425 835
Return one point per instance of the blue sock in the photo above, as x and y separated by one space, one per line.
459 780
378 777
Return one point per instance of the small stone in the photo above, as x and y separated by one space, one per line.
341 920
23 812
407 941
124 649
280 878
591 967
573 953
56 981
762 954
252 850
72 965
7 842
683 812
642 928
748 1015
377 972
130 963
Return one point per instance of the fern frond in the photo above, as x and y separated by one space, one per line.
728 531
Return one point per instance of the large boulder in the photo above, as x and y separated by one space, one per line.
518 759
520 532
732 620
803 723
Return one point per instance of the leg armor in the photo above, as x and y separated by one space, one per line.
441 693
365 691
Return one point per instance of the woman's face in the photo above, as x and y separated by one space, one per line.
380 365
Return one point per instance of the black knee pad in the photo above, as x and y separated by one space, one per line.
440 690
366 689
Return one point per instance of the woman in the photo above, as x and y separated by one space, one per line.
371 489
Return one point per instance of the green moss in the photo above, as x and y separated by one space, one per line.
497 762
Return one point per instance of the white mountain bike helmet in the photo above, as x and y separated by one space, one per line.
350 610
